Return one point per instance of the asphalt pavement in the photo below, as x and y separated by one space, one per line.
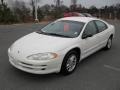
100 71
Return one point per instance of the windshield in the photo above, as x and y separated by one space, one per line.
69 29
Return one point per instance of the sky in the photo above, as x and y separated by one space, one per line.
86 3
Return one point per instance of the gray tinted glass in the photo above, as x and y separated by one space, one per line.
90 29
101 26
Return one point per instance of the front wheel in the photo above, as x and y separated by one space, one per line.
69 63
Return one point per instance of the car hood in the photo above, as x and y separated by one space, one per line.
38 43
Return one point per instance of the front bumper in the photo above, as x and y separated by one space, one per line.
41 67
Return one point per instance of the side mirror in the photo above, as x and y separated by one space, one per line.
86 36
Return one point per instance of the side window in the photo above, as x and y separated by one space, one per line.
101 26
90 29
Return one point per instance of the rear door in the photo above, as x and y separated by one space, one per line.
89 44
103 32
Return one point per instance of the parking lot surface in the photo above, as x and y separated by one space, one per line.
100 71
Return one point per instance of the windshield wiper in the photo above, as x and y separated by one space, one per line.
40 32
55 34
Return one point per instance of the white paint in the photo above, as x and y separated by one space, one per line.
35 43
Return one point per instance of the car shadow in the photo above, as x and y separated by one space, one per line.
92 58
28 77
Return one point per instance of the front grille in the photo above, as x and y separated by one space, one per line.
27 65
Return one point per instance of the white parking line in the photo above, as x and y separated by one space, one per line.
111 67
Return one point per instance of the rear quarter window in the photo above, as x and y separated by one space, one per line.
101 26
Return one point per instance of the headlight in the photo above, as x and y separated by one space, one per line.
42 56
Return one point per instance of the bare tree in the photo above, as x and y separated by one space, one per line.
2 1
73 4
58 2
21 10
33 5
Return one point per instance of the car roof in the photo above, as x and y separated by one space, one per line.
79 19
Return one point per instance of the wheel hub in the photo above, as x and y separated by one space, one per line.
71 63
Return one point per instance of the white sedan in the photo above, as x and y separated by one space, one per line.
61 45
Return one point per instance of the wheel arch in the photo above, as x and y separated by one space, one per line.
77 49
111 36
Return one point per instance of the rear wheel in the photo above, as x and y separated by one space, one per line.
69 63
109 43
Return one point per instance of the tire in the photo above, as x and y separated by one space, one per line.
109 44
69 63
